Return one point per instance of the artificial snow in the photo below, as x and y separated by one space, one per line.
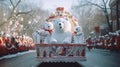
15 55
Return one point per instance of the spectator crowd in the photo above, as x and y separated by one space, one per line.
11 43
110 41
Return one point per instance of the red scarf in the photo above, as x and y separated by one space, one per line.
50 31
74 33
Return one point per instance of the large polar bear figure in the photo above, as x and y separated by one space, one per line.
62 31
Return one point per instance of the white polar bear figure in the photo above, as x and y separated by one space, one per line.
36 37
39 37
48 27
62 31
78 38
61 34
78 35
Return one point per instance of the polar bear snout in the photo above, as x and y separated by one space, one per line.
60 27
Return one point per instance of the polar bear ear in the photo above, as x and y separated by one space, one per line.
66 19
44 25
51 25
80 28
53 20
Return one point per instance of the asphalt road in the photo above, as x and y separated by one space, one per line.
102 58
95 58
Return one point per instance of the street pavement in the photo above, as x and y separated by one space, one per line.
95 58
101 58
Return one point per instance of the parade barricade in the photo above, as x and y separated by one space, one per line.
60 52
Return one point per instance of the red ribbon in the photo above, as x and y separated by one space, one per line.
50 31
74 33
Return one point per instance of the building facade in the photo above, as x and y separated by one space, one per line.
115 14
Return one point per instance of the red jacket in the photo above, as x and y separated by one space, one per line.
102 41
89 41
112 40
118 40
1 41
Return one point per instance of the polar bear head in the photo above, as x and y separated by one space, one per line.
61 25
48 26
78 30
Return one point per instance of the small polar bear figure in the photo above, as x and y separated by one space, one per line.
45 35
36 37
39 37
78 38
78 35
49 28
62 31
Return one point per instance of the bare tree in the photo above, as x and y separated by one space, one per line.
88 16
21 17
117 13
102 6
13 12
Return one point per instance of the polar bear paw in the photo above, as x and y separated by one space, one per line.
67 40
53 41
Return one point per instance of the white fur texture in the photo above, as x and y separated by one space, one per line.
40 35
78 37
62 32
48 27
36 38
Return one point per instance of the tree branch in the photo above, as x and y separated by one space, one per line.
106 1
12 12
84 5
14 6
112 8
12 3
94 4
17 3
23 12
2 23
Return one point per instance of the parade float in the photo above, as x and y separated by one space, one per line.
61 38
